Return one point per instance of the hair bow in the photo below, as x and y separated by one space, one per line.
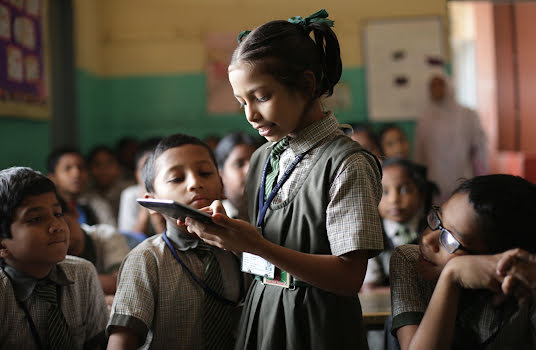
317 17
242 35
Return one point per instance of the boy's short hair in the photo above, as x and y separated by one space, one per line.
54 157
148 173
504 205
98 149
17 183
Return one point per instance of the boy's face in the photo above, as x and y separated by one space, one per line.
187 174
364 139
105 169
458 216
71 175
40 236
401 198
234 173
395 144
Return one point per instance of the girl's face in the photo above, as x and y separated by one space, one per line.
273 109
459 218
401 199
234 173
395 144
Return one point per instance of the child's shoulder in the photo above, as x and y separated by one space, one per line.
75 267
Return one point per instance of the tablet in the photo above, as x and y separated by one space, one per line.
174 209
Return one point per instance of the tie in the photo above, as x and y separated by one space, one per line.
273 172
217 322
59 334
406 234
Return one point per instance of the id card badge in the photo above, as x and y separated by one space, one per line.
281 279
256 265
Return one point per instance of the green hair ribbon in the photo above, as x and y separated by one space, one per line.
317 17
242 35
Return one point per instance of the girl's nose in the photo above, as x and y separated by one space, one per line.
431 239
252 114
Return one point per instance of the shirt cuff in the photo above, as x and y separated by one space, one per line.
130 322
406 319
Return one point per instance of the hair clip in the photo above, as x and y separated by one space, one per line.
242 35
317 17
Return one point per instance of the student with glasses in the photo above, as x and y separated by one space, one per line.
446 291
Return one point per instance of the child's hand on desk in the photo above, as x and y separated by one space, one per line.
229 234
518 267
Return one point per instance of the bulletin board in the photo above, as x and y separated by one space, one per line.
23 59
401 54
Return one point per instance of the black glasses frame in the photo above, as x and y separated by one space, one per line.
444 234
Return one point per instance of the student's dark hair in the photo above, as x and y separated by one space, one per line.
286 50
229 142
146 146
367 129
17 183
504 206
98 149
55 156
418 174
148 172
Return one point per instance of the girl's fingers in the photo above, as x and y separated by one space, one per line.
506 261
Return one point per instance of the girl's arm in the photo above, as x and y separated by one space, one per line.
437 326
338 274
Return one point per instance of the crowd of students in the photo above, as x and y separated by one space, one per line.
299 226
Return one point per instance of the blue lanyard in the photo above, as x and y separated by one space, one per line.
263 206
200 282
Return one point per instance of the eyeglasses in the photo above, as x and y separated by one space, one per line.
446 238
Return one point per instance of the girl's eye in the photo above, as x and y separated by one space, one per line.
59 215
34 220
262 99
176 180
206 173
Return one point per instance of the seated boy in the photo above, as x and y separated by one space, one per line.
445 291
101 244
166 295
48 299
67 168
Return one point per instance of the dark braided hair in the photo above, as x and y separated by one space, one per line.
287 50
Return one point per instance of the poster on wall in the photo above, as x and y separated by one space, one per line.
23 81
401 54
220 97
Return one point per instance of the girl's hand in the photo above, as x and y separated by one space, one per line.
475 272
225 233
518 267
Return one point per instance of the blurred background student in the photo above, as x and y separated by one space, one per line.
106 176
366 137
232 157
135 221
394 142
407 195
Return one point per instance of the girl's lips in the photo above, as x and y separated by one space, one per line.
424 259
264 130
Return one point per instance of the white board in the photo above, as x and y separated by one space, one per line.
401 54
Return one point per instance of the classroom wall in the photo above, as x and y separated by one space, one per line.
141 64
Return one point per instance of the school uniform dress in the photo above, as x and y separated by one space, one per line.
159 301
81 299
328 205
479 325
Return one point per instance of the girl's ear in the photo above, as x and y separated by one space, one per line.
309 83
4 253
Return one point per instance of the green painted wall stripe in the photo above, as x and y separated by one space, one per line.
24 143
146 106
